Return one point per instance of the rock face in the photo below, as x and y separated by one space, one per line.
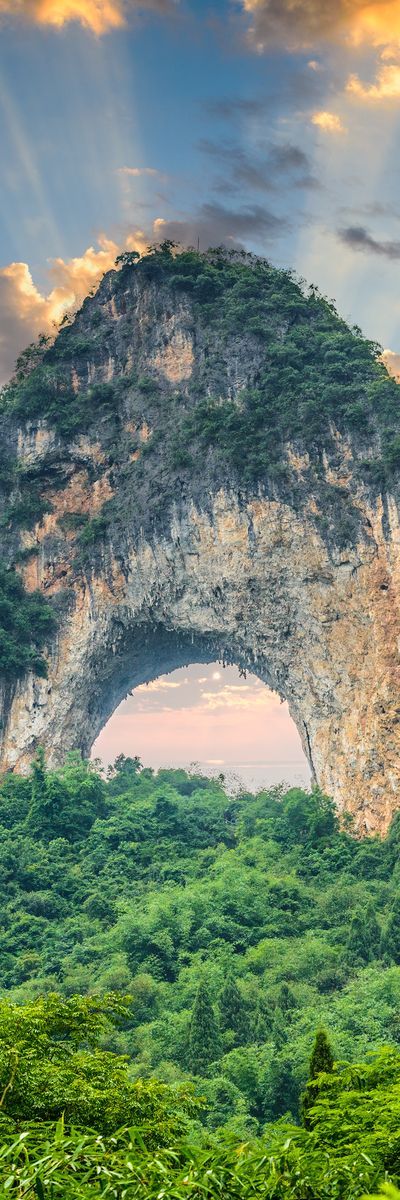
151 566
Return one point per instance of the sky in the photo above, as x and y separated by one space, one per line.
273 124
213 718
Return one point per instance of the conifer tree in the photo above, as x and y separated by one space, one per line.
321 1060
38 816
204 1036
322 1056
233 1011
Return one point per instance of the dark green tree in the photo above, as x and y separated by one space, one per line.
364 936
204 1035
321 1061
233 1012
321 1055
391 937
65 803
279 1029
286 1000
281 1094
262 1022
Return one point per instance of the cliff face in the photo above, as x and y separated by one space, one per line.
156 551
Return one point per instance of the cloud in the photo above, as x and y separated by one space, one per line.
215 225
375 208
160 685
359 238
79 274
236 697
25 311
139 172
231 107
99 16
261 169
304 24
329 122
288 157
386 87
392 363
23 314
300 87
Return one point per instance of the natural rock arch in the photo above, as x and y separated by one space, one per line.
153 559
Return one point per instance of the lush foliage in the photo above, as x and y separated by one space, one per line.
238 925
49 1053
26 623
208 936
52 1064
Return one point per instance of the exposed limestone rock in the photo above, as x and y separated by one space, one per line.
194 567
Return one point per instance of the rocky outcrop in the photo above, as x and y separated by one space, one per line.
152 566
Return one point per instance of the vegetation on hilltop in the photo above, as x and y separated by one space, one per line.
313 368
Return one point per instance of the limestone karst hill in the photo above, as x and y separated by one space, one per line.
205 465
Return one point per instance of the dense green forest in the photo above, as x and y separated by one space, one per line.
235 926
64 1098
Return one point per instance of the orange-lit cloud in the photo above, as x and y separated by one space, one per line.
302 24
78 275
99 16
386 86
328 121
392 363
25 311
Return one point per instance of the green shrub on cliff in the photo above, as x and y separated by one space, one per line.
26 624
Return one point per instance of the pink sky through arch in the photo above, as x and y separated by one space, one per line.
212 716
